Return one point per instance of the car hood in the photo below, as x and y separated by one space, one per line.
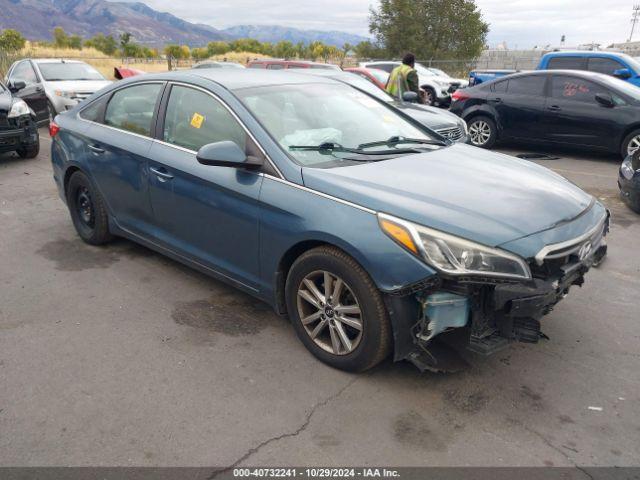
431 117
84 86
483 196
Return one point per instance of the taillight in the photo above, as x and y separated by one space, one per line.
53 129
459 95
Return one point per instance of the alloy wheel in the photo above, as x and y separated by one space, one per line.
84 206
330 312
480 132
633 145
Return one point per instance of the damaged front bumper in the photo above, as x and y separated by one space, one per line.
434 319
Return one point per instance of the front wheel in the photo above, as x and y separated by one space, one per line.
482 132
337 311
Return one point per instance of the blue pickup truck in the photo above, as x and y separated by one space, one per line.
615 64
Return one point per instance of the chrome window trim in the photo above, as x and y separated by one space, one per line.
542 254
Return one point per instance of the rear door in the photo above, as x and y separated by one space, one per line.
207 213
574 116
519 104
33 93
119 144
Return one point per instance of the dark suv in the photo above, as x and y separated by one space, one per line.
18 128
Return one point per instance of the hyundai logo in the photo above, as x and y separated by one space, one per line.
584 251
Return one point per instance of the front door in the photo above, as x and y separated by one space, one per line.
207 213
574 116
33 93
118 147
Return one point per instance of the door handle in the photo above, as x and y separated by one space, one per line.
161 173
95 149
496 100
554 108
39 89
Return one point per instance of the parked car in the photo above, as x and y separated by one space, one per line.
454 82
371 233
438 90
476 77
615 64
557 106
64 82
376 76
629 181
214 64
272 64
441 121
18 126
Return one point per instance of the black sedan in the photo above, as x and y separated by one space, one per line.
562 107
18 129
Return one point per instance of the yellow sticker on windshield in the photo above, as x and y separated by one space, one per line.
197 120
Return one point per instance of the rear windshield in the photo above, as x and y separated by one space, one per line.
53 72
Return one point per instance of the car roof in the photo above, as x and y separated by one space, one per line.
54 60
574 73
235 79
584 53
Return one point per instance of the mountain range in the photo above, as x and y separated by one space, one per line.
36 19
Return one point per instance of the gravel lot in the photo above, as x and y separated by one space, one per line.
119 356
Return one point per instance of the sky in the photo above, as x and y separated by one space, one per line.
521 23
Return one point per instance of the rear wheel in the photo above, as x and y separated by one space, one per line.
630 144
337 311
482 132
87 210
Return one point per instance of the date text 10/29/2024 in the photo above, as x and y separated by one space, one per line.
316 472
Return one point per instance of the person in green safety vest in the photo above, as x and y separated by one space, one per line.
404 78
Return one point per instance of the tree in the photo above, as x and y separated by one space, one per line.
173 51
442 29
284 49
11 40
125 38
217 48
75 42
60 38
368 50
201 53
106 45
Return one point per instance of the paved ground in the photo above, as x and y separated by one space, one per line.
119 356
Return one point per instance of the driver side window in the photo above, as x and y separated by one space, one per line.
23 72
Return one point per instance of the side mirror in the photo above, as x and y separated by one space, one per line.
411 97
16 86
605 100
226 154
622 73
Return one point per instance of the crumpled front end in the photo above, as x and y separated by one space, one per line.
433 319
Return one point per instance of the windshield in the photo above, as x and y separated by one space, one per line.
422 70
316 114
365 85
439 72
53 72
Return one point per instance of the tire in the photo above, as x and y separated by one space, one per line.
367 345
87 210
482 132
29 152
630 141
429 96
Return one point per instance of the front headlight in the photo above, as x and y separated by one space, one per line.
463 126
453 255
65 94
19 108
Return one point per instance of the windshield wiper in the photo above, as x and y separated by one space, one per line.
395 140
329 147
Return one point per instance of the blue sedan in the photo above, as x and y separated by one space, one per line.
372 233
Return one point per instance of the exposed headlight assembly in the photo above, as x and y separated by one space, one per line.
453 255
19 108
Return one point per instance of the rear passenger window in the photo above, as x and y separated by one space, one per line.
532 85
195 118
275 66
132 108
566 63
604 65
500 87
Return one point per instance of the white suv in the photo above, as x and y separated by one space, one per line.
436 88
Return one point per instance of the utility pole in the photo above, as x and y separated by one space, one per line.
634 19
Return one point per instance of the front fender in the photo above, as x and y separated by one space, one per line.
292 214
